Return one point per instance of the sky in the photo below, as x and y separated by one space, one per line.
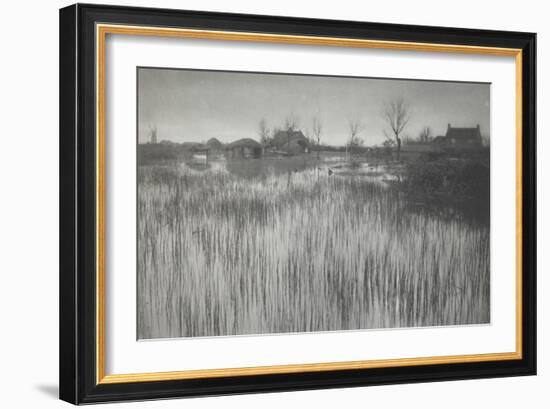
196 105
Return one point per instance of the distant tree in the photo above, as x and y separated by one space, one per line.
263 131
396 114
425 135
317 128
291 124
355 128
308 133
153 133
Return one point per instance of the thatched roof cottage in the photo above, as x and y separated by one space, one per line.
243 148
214 145
293 142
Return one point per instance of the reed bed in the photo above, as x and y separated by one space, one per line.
220 254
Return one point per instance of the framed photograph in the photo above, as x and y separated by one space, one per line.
257 203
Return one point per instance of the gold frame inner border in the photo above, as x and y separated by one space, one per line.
102 30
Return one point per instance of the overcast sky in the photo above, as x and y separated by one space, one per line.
189 105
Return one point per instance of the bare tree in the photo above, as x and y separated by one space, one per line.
425 135
308 133
291 124
153 133
355 128
263 131
309 136
317 128
397 115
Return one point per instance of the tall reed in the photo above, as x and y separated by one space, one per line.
220 254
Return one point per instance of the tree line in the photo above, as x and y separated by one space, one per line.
396 115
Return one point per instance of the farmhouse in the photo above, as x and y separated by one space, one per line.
192 146
216 149
460 138
243 148
295 147
214 145
292 142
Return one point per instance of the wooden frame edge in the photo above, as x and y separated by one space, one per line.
301 368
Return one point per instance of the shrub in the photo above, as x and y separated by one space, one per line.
156 153
461 178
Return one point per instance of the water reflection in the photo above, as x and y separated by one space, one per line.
474 210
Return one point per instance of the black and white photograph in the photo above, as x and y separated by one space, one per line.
279 203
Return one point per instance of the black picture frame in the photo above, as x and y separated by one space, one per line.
78 312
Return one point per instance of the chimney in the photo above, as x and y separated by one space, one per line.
448 126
